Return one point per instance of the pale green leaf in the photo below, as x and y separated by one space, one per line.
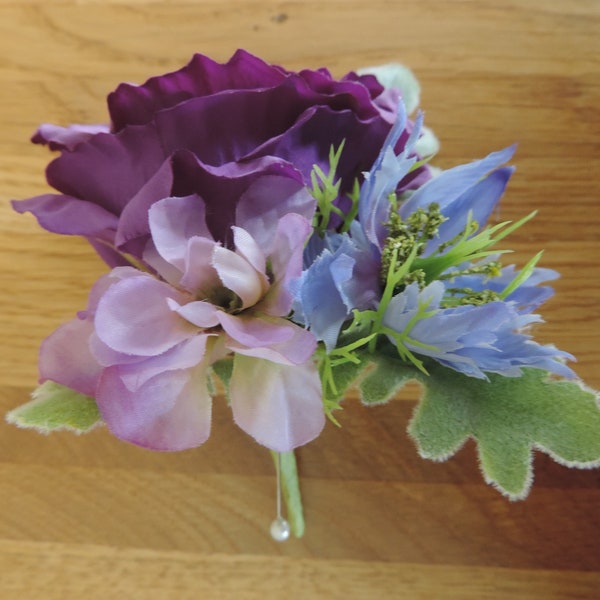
54 407
394 75
343 376
508 417
386 377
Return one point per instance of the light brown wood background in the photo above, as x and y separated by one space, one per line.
91 517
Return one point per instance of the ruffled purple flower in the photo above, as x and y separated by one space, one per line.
205 116
144 346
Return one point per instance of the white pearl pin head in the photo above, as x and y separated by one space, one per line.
280 529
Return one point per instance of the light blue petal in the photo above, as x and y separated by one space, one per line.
473 340
321 305
527 297
477 202
385 175
453 183
341 269
343 277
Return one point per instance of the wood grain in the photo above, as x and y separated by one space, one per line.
91 516
98 571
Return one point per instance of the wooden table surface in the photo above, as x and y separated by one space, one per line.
92 517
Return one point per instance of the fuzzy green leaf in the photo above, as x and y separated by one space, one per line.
54 407
386 377
343 376
508 417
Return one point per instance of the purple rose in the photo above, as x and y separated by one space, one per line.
167 134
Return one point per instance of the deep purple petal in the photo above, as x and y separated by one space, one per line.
108 170
368 81
227 127
107 253
130 104
70 216
307 143
280 406
134 223
223 186
356 93
66 138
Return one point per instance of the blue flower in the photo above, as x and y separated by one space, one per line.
463 193
420 264
527 297
342 275
473 340
388 170
343 270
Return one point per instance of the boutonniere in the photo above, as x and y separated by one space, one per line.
283 236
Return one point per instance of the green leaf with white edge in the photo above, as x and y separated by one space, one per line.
508 417
387 375
54 407
291 491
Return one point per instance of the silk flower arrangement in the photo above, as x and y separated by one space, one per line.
285 234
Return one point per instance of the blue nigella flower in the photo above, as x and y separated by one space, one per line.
342 275
473 340
450 300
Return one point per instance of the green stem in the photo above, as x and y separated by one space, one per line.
291 491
